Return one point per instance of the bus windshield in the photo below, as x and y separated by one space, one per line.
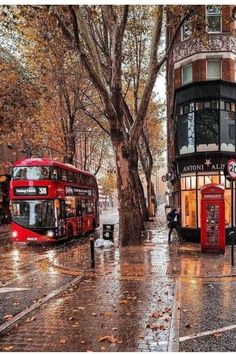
32 173
33 213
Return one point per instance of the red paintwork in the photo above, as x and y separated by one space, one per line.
56 189
47 162
213 222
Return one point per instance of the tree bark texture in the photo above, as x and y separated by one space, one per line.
131 220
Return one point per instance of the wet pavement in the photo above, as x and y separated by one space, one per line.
155 297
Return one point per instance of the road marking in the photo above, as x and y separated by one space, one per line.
173 345
207 333
41 301
9 290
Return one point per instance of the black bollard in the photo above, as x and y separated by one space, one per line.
92 252
232 234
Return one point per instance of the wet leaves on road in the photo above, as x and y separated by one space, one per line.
157 327
30 319
110 339
8 317
8 348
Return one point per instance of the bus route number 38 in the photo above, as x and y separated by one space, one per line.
42 190
232 168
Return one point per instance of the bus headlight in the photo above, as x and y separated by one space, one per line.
50 233
14 234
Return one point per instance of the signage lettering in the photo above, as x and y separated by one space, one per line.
202 167
31 191
70 190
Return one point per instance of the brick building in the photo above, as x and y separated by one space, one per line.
201 101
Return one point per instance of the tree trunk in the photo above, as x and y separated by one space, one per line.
131 220
139 186
149 195
154 199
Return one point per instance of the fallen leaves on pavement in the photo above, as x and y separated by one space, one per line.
110 339
8 348
30 319
8 317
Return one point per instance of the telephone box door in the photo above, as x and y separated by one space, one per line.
213 219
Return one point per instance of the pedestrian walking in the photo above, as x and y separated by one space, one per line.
174 223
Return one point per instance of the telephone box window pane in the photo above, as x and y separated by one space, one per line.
227 131
188 209
207 130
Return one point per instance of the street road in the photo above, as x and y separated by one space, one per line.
157 297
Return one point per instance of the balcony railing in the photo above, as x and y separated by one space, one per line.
216 43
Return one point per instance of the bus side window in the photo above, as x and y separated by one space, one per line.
64 175
62 210
79 208
54 174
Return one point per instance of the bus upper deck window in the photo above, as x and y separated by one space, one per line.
54 174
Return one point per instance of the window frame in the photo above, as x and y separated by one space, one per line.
182 72
219 60
209 15
188 23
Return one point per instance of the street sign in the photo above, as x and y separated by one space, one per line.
231 167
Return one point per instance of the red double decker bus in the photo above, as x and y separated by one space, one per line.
51 201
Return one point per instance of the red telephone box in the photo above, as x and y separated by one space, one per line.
213 218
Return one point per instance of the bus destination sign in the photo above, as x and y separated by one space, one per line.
29 191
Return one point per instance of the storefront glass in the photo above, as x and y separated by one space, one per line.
191 185
206 126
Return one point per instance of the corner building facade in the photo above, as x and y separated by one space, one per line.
201 110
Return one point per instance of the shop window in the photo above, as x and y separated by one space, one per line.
227 207
186 30
199 106
227 131
188 209
183 183
187 74
207 130
186 133
213 69
212 179
213 18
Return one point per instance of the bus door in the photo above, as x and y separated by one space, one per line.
80 217
62 219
